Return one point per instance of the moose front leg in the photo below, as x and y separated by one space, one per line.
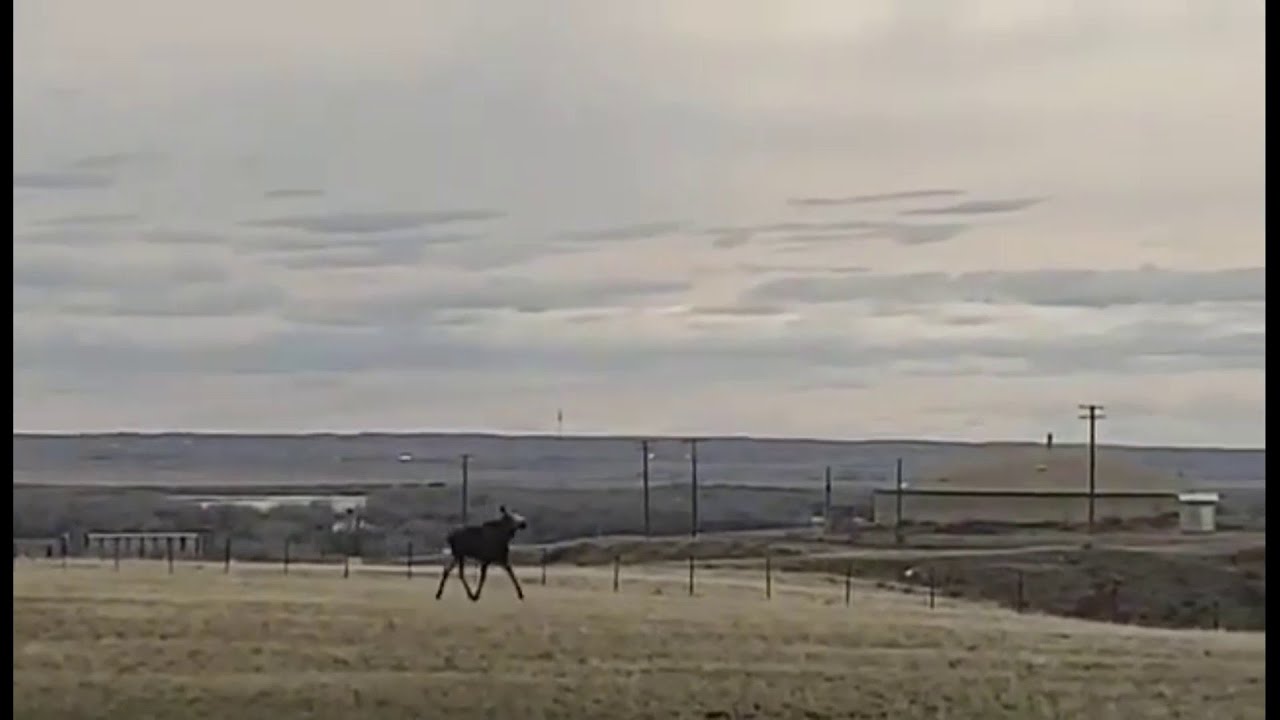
512 574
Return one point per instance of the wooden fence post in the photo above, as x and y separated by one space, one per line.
286 556
848 583
932 592
768 576
408 561
1018 602
115 552
346 566
168 553
691 572
62 549
617 564
226 557
543 565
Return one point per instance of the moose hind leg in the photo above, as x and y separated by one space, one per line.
462 575
445 577
512 574
484 572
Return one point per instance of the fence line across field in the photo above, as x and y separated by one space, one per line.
650 572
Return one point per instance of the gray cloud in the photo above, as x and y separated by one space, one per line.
873 198
357 223
67 272
729 241
624 232
487 126
384 250
496 293
738 310
92 219
63 283
909 234
901 233
446 346
110 162
181 237
61 180
978 207
1082 288
810 269
222 299
284 193
822 232
794 227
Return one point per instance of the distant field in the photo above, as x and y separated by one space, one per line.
89 642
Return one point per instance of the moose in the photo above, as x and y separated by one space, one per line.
487 543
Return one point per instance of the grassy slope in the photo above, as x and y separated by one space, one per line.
140 643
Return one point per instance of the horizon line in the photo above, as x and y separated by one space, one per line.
546 435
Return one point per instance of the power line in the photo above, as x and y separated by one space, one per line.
1092 412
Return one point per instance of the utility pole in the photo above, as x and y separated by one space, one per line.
897 522
466 462
693 487
644 474
1093 413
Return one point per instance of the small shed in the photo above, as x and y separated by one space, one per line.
1198 512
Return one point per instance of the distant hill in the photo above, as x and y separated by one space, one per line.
178 459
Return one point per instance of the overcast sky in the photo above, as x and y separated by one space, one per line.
843 219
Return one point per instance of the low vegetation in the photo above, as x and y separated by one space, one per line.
199 644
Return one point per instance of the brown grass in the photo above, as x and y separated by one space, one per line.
89 642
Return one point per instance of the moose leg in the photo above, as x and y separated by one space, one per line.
484 572
462 575
444 578
512 574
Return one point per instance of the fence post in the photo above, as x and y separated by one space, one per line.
1018 603
543 565
408 561
932 585
1217 620
768 575
690 572
848 583
168 553
286 556
62 549
617 563
226 557
346 566
115 552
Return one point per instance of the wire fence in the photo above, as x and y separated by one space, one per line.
930 584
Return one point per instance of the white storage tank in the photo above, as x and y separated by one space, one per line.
1198 512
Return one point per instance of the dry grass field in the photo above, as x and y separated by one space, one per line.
140 643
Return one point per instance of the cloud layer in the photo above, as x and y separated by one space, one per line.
673 221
